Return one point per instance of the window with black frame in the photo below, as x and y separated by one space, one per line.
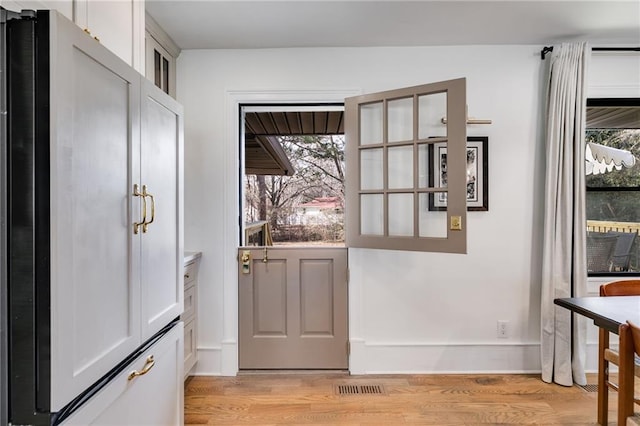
613 186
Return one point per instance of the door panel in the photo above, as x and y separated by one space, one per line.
316 297
270 298
293 309
161 173
155 398
94 106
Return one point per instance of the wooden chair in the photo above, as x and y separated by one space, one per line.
635 334
607 355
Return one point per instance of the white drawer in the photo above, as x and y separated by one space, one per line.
189 303
155 398
190 273
190 349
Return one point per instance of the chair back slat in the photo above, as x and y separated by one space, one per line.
621 288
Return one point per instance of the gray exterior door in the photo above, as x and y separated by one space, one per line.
293 308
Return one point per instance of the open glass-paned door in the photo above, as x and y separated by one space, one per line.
406 168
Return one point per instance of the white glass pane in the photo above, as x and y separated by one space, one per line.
371 172
439 165
400 167
401 215
432 219
400 120
424 165
431 110
371 123
371 214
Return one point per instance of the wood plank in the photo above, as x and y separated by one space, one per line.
310 399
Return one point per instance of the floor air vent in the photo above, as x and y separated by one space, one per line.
359 390
590 388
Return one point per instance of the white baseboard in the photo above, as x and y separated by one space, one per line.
421 358
412 358
229 361
217 360
208 363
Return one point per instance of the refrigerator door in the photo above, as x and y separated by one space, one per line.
73 147
94 161
153 396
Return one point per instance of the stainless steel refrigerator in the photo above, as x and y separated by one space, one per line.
89 288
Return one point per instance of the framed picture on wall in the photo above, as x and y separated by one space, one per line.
477 174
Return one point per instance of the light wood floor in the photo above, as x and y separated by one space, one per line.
310 399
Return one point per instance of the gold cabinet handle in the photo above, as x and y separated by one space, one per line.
147 366
86 30
136 193
145 226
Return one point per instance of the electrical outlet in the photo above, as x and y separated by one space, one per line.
503 329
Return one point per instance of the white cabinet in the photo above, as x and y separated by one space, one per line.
161 173
190 314
112 131
153 398
63 6
95 118
161 54
116 24
111 22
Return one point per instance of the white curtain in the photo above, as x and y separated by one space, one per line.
564 269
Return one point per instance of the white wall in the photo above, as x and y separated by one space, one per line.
409 312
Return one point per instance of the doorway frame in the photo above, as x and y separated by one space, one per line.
234 155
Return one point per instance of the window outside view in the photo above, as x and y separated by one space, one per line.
613 190
306 208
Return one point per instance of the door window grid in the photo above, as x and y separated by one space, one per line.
391 196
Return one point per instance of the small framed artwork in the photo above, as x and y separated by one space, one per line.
477 174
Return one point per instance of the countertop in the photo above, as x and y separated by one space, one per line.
191 255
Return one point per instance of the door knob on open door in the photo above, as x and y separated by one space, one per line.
246 262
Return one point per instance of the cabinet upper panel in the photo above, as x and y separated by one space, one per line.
63 6
116 24
111 22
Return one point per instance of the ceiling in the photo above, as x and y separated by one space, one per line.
244 24
262 151
613 117
294 123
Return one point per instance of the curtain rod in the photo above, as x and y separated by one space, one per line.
549 49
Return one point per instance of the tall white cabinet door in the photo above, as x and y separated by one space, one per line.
95 296
161 174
